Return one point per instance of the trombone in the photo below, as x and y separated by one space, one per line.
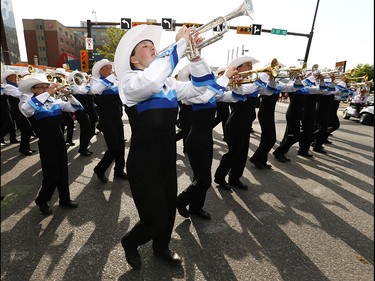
193 50
247 76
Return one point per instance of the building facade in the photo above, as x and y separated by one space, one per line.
10 52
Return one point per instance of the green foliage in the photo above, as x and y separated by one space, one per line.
114 35
365 69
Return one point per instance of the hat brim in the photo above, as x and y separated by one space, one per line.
5 74
98 65
128 42
241 60
29 81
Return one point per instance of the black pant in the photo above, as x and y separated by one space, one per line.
266 117
308 119
323 108
85 130
68 122
293 117
113 132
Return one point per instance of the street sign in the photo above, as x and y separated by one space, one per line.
166 23
89 44
126 23
279 31
257 29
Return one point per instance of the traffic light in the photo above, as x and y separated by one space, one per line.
84 58
244 30
189 24
135 23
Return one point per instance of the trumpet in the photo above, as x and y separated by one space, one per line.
272 70
193 50
292 72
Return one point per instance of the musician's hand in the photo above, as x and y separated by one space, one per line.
231 71
183 32
52 89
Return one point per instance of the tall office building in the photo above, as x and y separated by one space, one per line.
10 52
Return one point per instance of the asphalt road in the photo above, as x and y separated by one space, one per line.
310 219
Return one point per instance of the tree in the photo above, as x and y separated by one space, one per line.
114 35
365 69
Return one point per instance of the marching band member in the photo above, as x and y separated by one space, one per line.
184 113
44 112
60 76
103 83
294 113
269 92
323 106
9 80
308 119
341 94
77 84
199 146
222 109
151 99
7 123
237 130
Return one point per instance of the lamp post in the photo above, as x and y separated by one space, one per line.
311 33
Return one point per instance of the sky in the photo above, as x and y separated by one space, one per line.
343 29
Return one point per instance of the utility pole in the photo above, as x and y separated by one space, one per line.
311 34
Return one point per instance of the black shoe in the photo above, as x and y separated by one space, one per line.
70 143
26 152
238 184
327 142
43 207
15 141
101 177
201 213
223 184
257 164
304 154
121 175
267 166
319 150
85 153
68 204
181 208
131 254
168 256
279 157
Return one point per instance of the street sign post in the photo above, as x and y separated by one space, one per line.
279 31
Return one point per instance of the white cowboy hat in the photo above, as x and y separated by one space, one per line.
241 60
128 42
5 74
220 69
98 65
184 73
60 71
31 80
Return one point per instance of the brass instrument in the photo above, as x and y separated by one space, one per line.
77 79
31 68
272 70
292 72
193 50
